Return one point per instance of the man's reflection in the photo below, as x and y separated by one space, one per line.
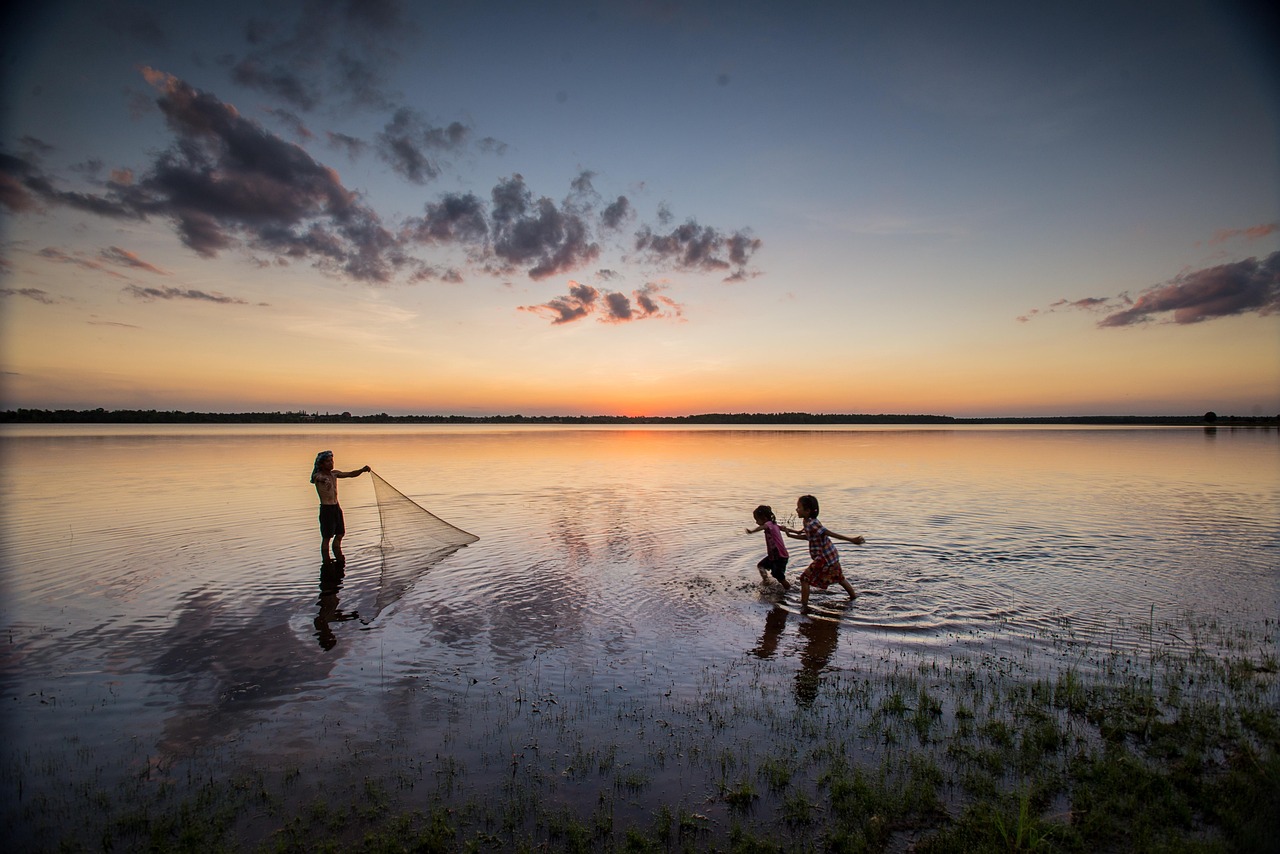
821 639
331 575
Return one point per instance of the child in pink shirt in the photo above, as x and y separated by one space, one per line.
775 561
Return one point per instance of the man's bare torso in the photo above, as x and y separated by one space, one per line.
327 487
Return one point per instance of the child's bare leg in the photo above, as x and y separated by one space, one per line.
764 576
804 595
324 549
786 585
337 549
848 589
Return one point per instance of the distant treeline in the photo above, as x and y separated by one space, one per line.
153 416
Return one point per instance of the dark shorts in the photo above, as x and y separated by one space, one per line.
776 566
331 523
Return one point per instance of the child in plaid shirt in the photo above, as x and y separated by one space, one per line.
824 569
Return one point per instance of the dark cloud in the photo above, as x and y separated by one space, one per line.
1244 287
518 230
489 145
293 122
351 145
35 148
642 304
150 294
278 81
456 218
537 234
1251 286
227 183
91 167
30 293
698 248
579 303
227 180
334 50
616 214
15 195
23 186
407 141
612 306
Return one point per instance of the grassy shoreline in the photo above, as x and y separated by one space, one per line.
1171 747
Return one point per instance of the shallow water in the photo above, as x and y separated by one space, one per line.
162 584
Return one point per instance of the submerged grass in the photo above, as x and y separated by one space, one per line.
1174 746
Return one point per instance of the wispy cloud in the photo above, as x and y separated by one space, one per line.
1251 286
96 264
169 293
116 255
1253 232
36 294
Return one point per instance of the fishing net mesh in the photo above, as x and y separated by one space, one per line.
413 541
407 526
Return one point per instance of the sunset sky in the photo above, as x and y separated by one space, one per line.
641 207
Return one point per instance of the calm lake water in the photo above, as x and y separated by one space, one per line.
162 585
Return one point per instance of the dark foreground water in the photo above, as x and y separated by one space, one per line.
165 608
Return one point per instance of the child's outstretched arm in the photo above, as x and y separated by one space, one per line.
757 529
857 541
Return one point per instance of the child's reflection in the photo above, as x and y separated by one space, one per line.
774 622
821 638
331 575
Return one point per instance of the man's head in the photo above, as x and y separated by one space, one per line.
324 462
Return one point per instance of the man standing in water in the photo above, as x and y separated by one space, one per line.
331 523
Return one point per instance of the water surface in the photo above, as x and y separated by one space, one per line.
163 592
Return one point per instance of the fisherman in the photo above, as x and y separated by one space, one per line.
332 526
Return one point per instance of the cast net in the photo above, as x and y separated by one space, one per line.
413 541
407 525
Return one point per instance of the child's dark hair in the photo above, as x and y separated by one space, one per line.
809 504
764 513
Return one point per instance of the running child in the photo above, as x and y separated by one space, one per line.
824 569
776 557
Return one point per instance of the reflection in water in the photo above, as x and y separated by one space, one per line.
331 575
175 617
821 638
774 622
226 666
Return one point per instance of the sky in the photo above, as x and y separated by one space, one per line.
641 207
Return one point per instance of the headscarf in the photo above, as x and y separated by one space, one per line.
315 470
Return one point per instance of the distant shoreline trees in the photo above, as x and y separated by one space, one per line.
153 416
